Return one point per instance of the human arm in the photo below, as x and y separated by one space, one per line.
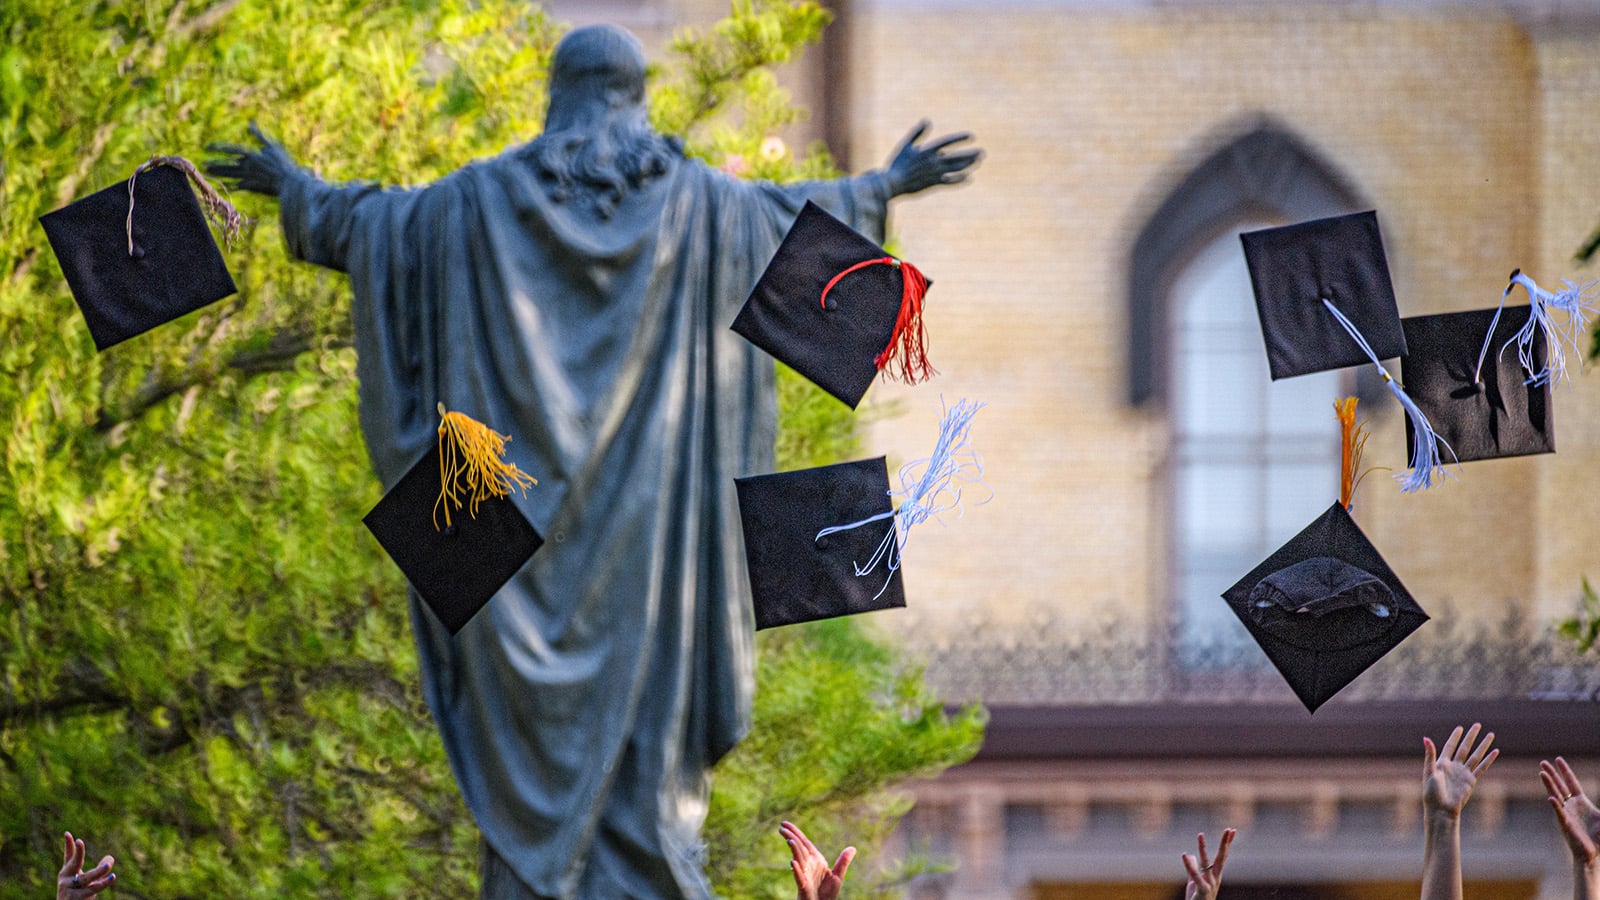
1448 777
1579 819
1205 874
72 882
813 877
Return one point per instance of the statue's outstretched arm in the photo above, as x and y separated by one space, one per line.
262 171
319 220
914 168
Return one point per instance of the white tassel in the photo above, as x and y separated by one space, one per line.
1577 302
1425 442
930 486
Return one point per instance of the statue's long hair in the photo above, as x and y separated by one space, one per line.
598 144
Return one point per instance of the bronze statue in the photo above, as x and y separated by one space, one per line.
576 292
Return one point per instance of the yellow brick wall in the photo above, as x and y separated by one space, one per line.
1478 145
1569 186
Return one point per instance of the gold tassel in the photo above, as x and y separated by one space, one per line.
471 467
1352 441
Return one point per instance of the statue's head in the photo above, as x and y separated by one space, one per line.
597 143
597 74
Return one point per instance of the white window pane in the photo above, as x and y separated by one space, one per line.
1217 395
1214 288
1205 615
1254 461
1304 404
1299 494
1219 504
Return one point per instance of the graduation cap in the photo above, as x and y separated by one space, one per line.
450 523
139 253
837 309
815 539
1479 399
1295 268
1325 301
1325 607
796 576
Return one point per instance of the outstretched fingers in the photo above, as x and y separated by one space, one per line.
71 854
1222 849
1429 757
1192 866
98 878
1482 767
229 149
843 864
934 146
1464 749
800 846
1552 785
1448 751
911 138
1479 752
1568 778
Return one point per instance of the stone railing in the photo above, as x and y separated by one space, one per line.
1452 657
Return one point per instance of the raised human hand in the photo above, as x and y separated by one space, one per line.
813 877
262 171
913 168
1205 874
1577 815
1449 775
72 882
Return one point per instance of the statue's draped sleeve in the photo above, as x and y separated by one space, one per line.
582 707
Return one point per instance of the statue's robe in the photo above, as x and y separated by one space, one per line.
584 704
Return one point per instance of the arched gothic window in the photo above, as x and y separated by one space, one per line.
1250 461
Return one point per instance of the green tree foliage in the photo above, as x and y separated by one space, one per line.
1583 629
1584 256
205 663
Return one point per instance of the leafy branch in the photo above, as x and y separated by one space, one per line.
1584 628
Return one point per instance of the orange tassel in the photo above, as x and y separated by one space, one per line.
471 467
908 343
1352 441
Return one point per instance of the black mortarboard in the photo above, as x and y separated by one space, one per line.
1482 413
871 320
174 267
1295 267
794 575
458 567
1324 607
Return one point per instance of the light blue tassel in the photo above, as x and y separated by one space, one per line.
1425 441
1483 352
1578 305
930 486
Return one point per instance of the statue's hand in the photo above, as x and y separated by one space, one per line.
914 168
262 171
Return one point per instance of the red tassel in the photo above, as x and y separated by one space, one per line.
909 337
